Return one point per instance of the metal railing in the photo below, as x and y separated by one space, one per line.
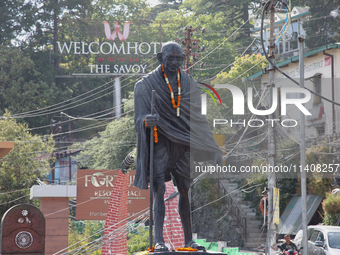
235 211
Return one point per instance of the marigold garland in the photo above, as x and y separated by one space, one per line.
155 134
186 249
152 249
171 91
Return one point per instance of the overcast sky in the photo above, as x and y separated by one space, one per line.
152 2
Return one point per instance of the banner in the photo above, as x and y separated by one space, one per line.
94 189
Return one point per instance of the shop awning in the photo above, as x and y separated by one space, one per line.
291 218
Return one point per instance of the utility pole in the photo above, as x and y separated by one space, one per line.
302 153
69 130
189 33
271 234
188 47
69 167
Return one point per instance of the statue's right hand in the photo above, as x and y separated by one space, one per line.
151 120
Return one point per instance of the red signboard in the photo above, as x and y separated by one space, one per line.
94 189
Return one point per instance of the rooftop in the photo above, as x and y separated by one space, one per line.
296 59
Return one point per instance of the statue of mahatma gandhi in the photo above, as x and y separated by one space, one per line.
184 136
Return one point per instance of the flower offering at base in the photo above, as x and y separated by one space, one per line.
152 249
186 249
142 253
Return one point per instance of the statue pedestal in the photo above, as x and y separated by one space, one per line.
187 253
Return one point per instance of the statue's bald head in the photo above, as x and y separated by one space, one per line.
171 56
170 47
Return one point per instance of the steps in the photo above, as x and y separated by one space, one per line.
254 238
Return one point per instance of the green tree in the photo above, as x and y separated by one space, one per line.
81 21
236 13
85 232
20 168
318 183
322 29
17 17
74 21
138 240
22 87
173 24
288 185
331 206
243 67
82 233
108 150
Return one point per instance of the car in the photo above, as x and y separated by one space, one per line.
298 238
323 240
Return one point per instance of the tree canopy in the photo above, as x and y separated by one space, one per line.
108 150
323 27
28 160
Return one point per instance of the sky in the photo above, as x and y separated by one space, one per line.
152 2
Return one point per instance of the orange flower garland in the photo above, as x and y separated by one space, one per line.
152 249
171 91
186 249
155 134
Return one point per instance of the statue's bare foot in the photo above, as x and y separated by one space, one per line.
192 244
161 247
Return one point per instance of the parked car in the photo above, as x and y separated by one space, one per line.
323 240
298 238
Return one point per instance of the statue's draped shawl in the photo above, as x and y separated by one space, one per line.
190 128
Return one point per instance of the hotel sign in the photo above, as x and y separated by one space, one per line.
112 53
94 189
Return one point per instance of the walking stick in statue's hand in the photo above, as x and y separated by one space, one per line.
151 169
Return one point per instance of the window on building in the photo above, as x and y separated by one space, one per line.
294 41
294 95
320 129
287 46
280 48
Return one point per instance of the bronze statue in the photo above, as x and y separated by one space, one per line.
184 136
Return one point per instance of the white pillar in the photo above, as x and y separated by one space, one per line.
117 98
